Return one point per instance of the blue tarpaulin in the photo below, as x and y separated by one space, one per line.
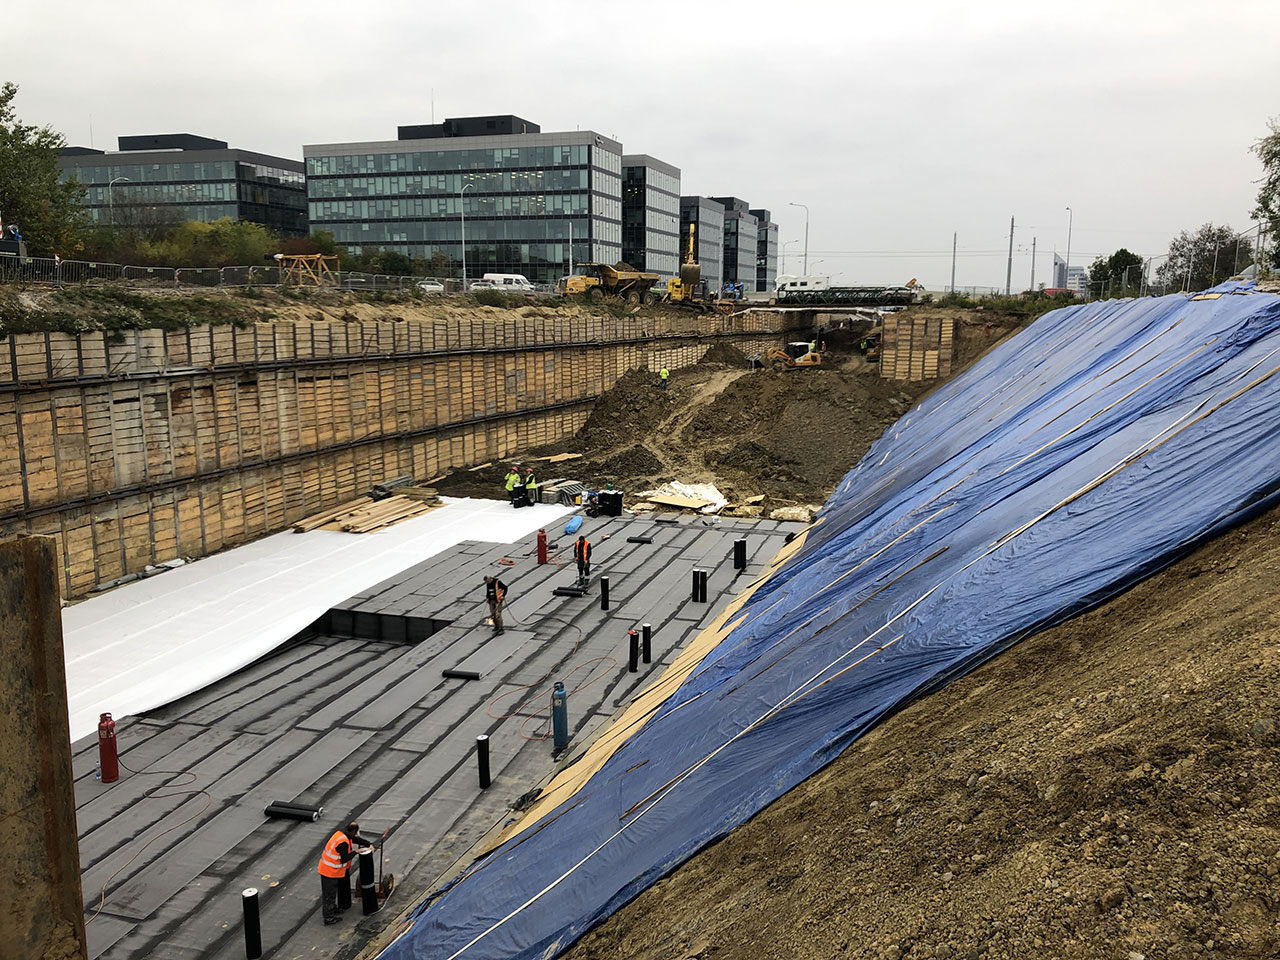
1097 446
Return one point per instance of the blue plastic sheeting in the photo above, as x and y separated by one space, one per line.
1092 449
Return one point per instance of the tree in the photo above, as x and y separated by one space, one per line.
1268 208
440 265
1204 258
391 262
1119 275
32 195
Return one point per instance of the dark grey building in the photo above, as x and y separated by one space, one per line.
766 251
172 178
707 218
740 243
651 215
517 193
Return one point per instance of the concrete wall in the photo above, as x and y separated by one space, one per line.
135 448
41 900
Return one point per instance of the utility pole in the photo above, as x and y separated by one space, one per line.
1032 288
953 262
1008 279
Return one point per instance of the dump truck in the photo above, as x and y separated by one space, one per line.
598 280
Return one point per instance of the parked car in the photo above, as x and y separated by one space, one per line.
511 282
431 286
482 285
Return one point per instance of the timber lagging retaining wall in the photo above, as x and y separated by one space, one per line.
139 447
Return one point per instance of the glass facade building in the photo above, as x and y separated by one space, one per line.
651 215
707 217
519 197
740 229
175 178
766 251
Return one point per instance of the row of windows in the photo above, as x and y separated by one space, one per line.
175 213
122 193
656 180
475 159
154 172
272 196
505 181
550 205
609 161
541 263
479 231
263 173
606 184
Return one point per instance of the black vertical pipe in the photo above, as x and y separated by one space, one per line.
699 586
740 554
633 653
368 889
344 890
252 923
646 648
482 759
604 593
693 595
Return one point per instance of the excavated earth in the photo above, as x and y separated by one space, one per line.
785 435
1107 789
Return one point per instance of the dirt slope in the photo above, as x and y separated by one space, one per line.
1107 789
789 435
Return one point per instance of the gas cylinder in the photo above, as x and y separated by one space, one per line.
560 717
542 546
107 757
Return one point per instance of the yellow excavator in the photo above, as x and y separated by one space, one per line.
689 290
801 353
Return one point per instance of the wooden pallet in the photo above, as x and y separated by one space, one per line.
365 515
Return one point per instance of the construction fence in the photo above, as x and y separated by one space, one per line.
138 447
58 272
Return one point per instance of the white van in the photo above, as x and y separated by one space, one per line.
513 282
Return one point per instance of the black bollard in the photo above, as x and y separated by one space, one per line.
252 923
482 759
646 648
699 586
604 593
368 889
633 653
693 593
740 554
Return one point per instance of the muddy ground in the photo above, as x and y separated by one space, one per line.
786 435
1107 789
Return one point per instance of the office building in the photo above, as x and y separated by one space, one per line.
517 194
766 251
651 215
172 178
740 243
707 218
1075 279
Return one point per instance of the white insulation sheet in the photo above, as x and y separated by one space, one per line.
154 641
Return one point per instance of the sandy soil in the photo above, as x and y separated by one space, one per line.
787 435
1107 789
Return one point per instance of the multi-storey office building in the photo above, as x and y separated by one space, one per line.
740 229
518 195
172 178
651 215
766 251
707 218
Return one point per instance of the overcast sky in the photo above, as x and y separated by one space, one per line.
896 122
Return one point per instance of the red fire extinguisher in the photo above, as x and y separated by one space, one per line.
542 546
107 757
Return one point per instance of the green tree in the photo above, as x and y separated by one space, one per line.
1119 275
440 265
1268 208
32 195
1204 258
391 262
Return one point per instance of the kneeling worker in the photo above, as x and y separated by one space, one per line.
338 855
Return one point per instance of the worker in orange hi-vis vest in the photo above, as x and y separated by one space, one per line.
338 854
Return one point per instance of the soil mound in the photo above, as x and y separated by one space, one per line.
631 464
725 354
626 412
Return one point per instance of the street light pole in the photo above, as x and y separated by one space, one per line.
1070 223
784 253
806 236
111 200
463 213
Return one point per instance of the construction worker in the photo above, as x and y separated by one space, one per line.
582 553
512 480
495 591
336 859
813 346
530 486
663 375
